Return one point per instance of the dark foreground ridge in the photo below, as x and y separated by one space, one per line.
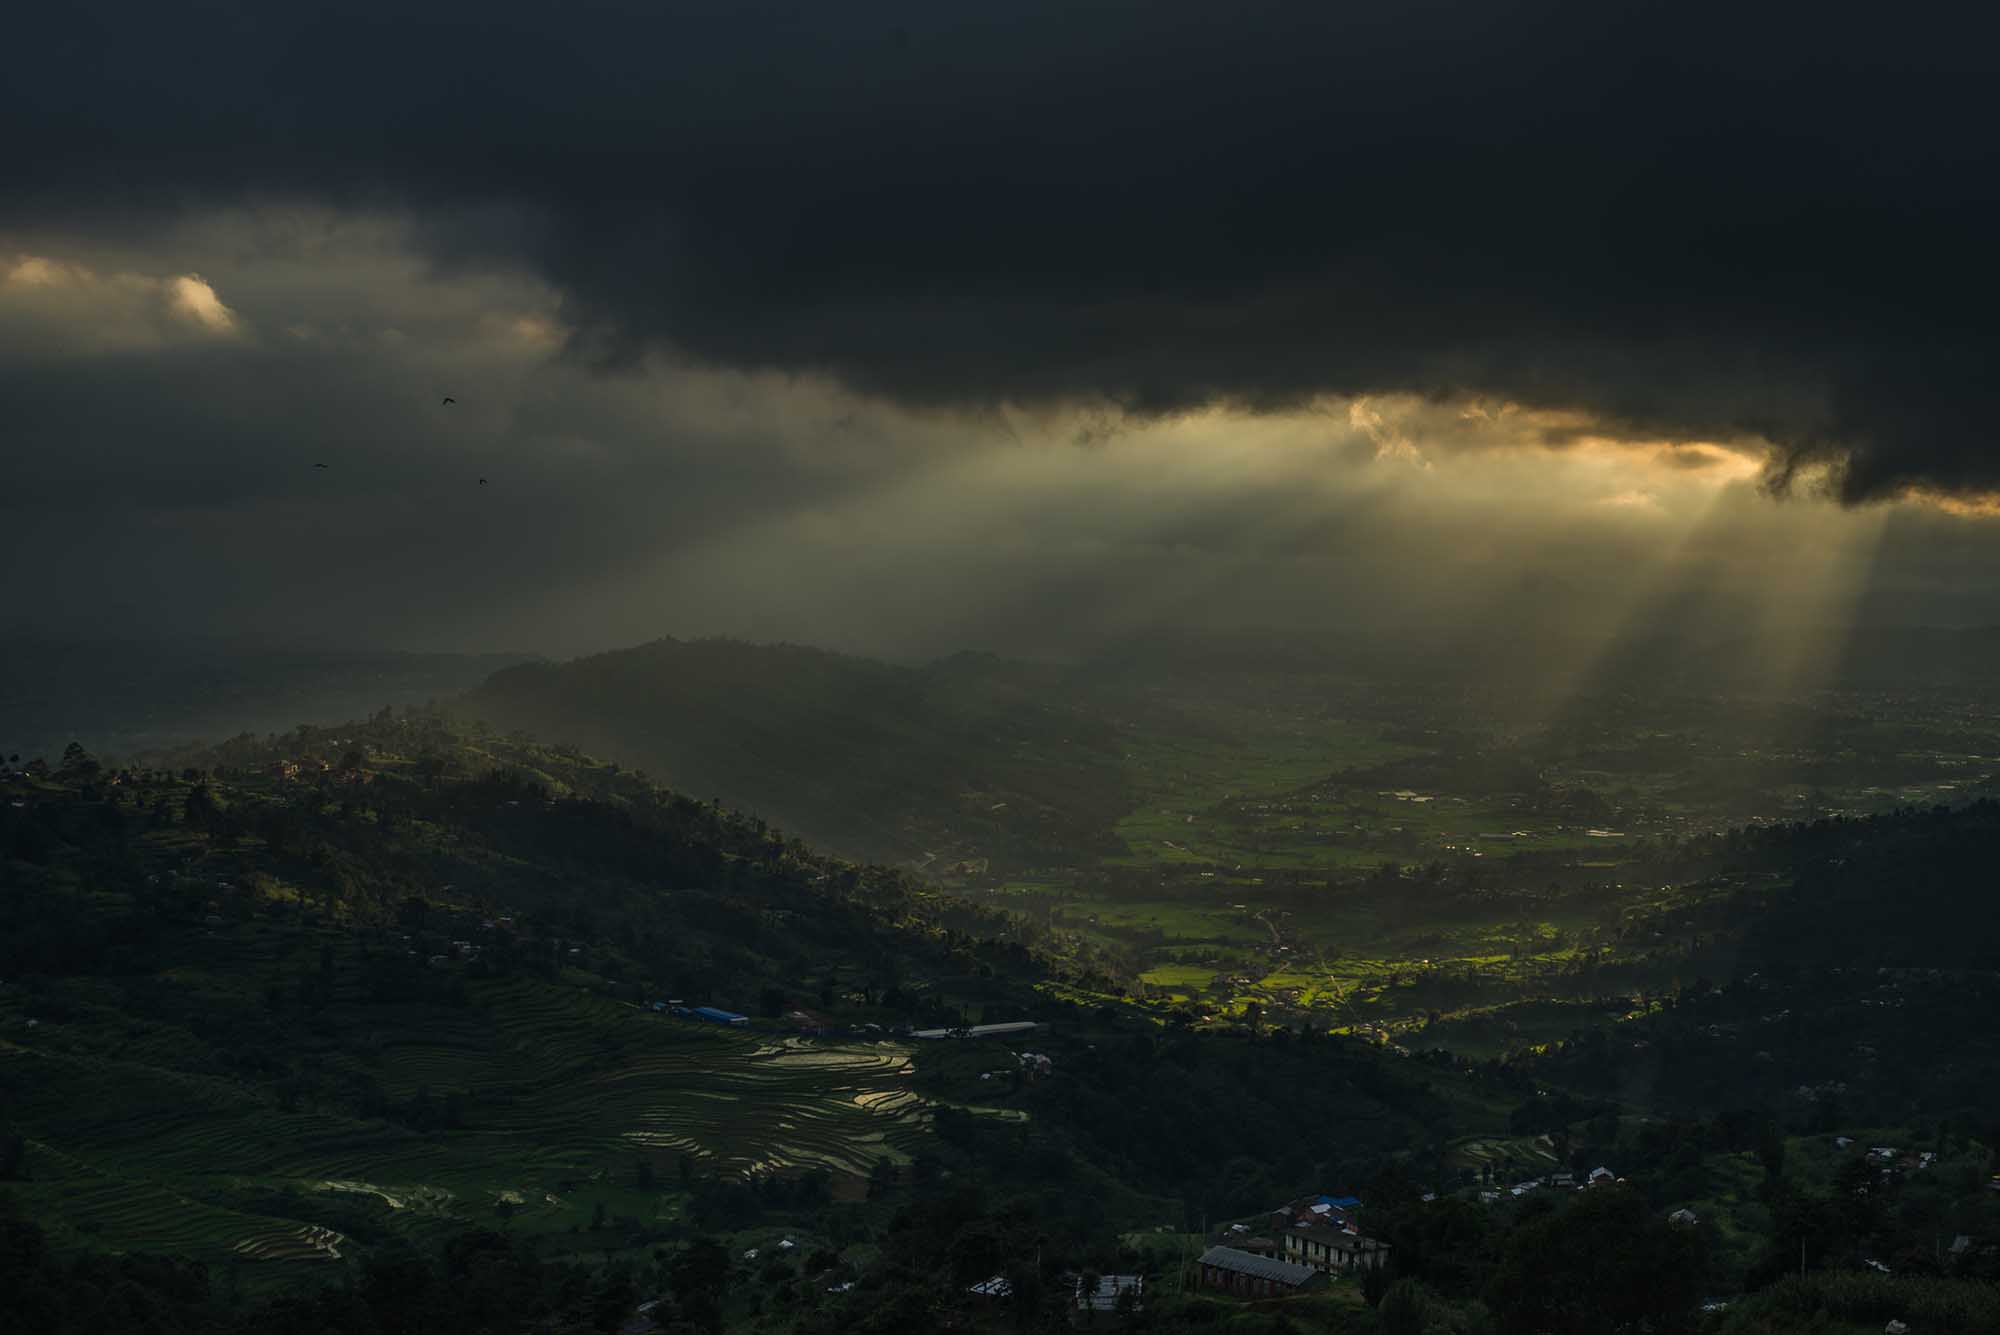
395 1027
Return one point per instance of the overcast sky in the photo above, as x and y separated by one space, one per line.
905 328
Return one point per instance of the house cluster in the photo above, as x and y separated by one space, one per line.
1092 1296
1314 1235
1893 1161
1596 1177
288 769
1010 1029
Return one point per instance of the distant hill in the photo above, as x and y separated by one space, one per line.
971 757
127 697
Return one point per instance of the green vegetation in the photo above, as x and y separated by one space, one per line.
1290 832
345 1018
347 994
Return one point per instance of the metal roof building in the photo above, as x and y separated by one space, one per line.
715 1015
1251 1276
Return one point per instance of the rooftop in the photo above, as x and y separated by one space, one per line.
1339 1238
1260 1267
1105 1297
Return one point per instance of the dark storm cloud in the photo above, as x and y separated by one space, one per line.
1691 220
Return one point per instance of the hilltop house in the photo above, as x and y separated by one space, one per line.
1249 1276
1333 1250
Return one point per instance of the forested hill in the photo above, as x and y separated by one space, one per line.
368 1006
1912 889
969 757
123 698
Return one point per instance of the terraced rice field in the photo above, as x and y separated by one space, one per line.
561 1091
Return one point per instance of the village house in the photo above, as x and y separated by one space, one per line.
1336 1211
1228 1270
1333 1250
1102 1299
808 1022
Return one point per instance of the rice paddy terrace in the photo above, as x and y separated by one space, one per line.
555 1095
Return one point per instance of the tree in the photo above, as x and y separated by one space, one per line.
77 763
699 1275
1599 1265
199 809
1403 1308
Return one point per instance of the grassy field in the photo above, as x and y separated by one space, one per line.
1238 756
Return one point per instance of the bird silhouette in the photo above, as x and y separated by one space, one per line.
449 399
482 481
319 465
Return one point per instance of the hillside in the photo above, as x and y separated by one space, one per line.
968 758
239 1007
360 994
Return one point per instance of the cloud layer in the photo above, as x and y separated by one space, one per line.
163 433
1688 221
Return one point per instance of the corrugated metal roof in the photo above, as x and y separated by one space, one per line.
717 1013
1262 1267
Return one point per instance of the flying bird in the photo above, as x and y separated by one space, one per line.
482 481
449 399
319 465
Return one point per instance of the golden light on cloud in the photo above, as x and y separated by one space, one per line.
190 297
37 271
111 309
1631 500
530 330
1982 505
